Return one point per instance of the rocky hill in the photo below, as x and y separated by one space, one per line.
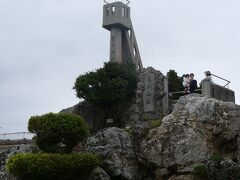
200 139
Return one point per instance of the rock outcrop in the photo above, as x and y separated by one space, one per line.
183 147
115 148
200 139
198 128
7 151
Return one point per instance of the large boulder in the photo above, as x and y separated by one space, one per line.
115 148
197 128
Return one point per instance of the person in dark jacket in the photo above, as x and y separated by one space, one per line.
193 84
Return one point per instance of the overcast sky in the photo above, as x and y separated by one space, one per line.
46 44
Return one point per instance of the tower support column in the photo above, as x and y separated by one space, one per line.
116 45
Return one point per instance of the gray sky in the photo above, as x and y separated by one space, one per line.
46 44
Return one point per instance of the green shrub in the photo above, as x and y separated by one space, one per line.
200 171
45 166
57 132
147 118
106 86
175 84
216 157
155 124
129 129
110 88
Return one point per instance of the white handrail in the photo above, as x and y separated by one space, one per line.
15 133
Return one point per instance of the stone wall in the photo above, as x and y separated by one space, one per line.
93 116
216 91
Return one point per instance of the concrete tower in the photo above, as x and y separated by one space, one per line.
123 43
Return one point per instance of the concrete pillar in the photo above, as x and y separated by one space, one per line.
206 88
116 45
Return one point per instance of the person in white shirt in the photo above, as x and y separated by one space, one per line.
186 83
208 76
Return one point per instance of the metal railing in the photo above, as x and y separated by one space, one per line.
128 2
209 74
16 136
228 82
182 92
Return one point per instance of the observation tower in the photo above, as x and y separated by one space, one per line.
123 43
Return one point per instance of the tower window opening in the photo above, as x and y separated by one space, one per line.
127 12
113 9
139 67
107 11
134 52
130 33
123 11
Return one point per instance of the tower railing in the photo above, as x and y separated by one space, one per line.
228 82
127 3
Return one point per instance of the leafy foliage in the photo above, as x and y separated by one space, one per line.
200 171
106 86
57 132
109 87
216 157
175 82
155 123
44 166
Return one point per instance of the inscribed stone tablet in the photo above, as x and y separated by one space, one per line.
149 92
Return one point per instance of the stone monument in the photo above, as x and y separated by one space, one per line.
149 92
152 94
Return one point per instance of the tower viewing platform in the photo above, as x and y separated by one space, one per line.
116 15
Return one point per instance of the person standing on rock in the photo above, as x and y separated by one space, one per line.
208 76
186 83
193 84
